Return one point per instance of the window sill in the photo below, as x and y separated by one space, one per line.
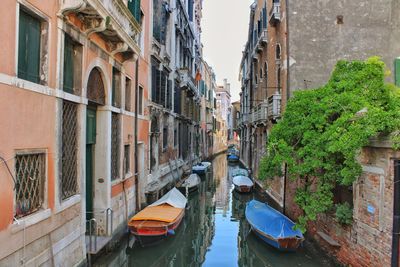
68 203
30 220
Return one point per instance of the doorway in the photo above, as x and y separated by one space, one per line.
90 150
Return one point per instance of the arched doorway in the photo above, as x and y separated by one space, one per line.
96 97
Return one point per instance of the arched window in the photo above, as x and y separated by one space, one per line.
95 88
278 51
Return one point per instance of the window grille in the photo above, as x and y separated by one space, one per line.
69 184
30 175
115 157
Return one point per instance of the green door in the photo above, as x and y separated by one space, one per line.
90 144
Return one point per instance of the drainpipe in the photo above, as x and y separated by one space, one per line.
136 135
396 215
287 53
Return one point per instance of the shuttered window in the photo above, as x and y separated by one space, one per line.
29 47
69 65
134 7
397 71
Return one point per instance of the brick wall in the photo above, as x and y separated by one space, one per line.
368 241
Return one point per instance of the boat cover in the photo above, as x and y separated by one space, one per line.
173 198
240 172
161 213
270 221
242 181
193 180
206 164
201 166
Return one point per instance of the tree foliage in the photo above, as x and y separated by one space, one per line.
323 130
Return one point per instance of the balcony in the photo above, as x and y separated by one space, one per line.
188 82
263 39
113 20
274 106
260 114
275 14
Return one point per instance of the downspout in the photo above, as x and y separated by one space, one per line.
396 215
136 135
287 53
287 92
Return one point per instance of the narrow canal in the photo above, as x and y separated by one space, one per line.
213 233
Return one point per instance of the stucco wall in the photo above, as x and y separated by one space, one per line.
317 42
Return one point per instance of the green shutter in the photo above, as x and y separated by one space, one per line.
90 126
397 71
69 65
29 48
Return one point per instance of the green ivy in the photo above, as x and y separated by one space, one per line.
344 213
323 131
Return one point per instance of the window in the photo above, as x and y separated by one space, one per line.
116 88
278 52
127 159
134 7
176 137
128 94
72 66
115 150
397 71
140 101
29 47
69 146
278 78
165 137
30 174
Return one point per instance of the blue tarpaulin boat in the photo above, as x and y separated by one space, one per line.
233 158
272 226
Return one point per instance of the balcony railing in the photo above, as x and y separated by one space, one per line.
274 106
188 82
275 13
113 19
263 39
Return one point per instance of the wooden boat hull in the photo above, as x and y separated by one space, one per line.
273 227
153 232
283 244
243 188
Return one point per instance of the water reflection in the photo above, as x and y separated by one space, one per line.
214 233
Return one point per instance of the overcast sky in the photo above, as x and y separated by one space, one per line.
224 34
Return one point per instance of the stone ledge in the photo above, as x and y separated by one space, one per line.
328 239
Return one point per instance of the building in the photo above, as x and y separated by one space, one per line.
174 106
235 122
207 113
224 106
67 91
292 46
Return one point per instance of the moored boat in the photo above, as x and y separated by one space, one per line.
201 168
240 172
160 219
242 184
191 183
273 227
233 158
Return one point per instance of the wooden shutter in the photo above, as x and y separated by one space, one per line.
29 48
264 12
397 71
163 87
69 65
153 83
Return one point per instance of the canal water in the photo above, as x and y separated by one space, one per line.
214 233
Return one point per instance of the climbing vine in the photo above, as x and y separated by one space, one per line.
323 130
